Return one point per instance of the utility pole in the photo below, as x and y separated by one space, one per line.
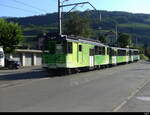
116 31
59 18
59 12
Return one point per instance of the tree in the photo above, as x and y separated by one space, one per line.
10 35
77 25
124 40
102 38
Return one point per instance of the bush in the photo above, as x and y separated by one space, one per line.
143 57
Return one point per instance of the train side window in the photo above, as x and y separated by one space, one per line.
115 53
69 47
119 52
96 50
103 51
112 52
130 53
80 48
100 51
108 51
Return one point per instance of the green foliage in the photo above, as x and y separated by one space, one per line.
10 35
102 39
124 40
77 25
137 25
143 57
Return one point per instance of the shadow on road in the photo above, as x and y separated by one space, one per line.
146 62
144 69
23 76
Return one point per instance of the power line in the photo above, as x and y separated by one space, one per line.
25 4
17 8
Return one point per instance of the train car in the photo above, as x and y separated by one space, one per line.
134 55
70 54
122 55
101 57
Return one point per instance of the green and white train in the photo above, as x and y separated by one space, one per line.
71 54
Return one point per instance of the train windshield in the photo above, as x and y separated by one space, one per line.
59 48
55 47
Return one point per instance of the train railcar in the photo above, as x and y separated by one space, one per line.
101 57
134 55
70 54
122 55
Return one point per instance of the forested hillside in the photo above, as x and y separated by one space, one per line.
137 25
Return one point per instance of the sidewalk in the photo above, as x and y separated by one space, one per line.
5 71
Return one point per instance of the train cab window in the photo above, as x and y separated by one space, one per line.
59 49
69 47
80 48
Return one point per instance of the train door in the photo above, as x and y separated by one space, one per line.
79 54
91 57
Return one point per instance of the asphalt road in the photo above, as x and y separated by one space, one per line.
109 90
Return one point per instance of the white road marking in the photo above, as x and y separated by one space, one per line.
132 95
143 98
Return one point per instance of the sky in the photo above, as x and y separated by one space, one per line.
23 8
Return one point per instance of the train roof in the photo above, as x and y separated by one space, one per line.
119 48
85 40
134 49
72 38
124 48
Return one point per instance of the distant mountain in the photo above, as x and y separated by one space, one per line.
138 25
